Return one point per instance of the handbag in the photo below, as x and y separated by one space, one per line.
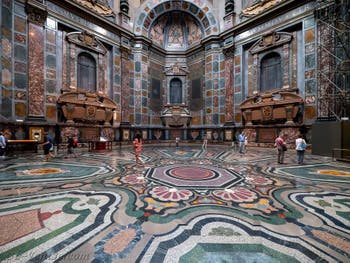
284 147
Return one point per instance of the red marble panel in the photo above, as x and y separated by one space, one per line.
19 38
20 67
20 24
229 90
125 80
36 69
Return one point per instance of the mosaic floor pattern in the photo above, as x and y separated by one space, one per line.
181 205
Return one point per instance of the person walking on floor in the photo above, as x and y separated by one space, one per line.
2 145
241 142
72 143
300 146
47 145
137 147
205 143
281 148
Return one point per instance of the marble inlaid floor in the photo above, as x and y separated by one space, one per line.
182 205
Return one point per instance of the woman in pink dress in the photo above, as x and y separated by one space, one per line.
137 147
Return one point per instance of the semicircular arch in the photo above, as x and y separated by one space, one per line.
200 10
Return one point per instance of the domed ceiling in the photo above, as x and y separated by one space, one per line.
176 25
175 30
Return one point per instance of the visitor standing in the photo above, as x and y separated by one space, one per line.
47 145
205 143
137 147
241 142
2 145
281 148
177 141
300 146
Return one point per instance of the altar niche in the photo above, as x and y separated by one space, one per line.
175 112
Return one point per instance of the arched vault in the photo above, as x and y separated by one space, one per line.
199 10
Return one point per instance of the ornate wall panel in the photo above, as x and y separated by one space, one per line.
36 20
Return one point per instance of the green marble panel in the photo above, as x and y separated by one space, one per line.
51 86
20 53
6 107
51 61
310 86
6 18
310 61
117 79
21 81
137 66
116 98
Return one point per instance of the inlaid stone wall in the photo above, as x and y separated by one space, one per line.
117 84
214 86
51 88
36 63
7 55
229 87
155 90
239 94
310 112
196 85
126 100
139 91
20 70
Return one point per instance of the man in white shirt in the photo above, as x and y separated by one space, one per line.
2 144
241 141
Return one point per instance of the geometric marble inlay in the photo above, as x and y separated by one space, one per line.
199 241
319 172
47 227
49 171
194 176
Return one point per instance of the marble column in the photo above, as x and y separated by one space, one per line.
286 73
125 87
229 89
37 14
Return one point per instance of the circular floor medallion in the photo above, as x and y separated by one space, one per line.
194 176
192 173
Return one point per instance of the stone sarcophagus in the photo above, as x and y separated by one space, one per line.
271 107
176 116
87 106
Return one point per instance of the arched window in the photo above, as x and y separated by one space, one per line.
175 91
86 75
270 72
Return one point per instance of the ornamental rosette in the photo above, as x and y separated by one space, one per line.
236 194
257 180
164 193
134 179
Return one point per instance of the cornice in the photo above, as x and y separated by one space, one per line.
264 17
90 15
